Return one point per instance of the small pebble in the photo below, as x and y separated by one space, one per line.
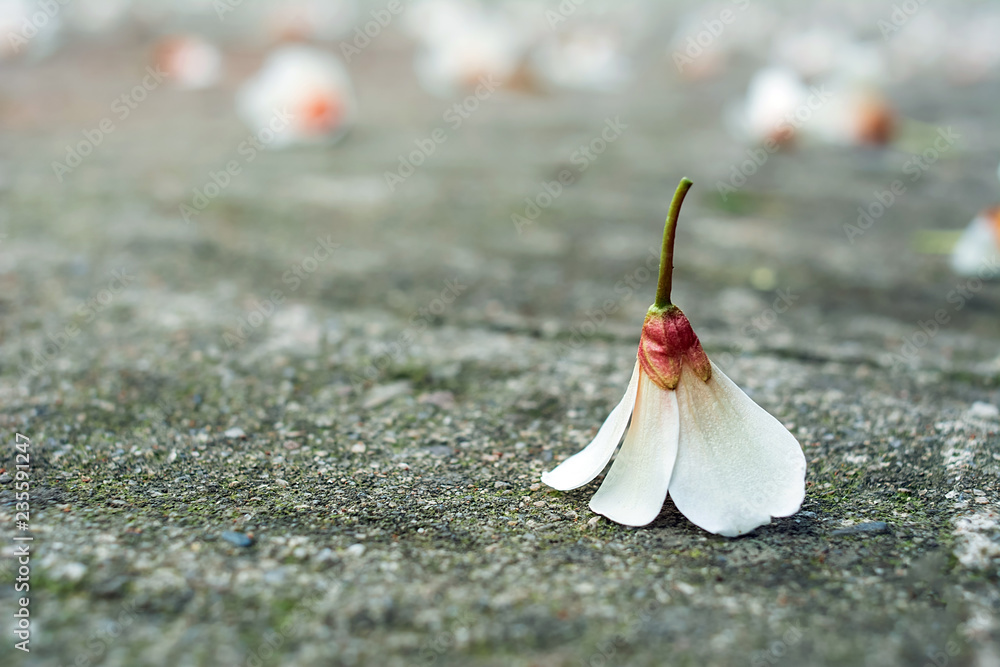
442 399
358 448
981 410
384 393
356 550
6 479
239 539
235 432
72 571
870 528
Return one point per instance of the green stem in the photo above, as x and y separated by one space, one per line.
667 253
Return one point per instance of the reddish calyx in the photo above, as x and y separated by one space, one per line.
667 343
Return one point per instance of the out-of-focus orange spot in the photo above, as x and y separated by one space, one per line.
321 113
293 32
783 135
876 123
993 215
166 54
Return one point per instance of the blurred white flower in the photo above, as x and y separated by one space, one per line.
321 20
461 43
773 96
728 465
309 84
846 107
482 50
854 116
583 58
977 252
190 61
858 112
27 31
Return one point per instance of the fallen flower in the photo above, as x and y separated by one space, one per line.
191 62
589 57
309 85
977 253
728 465
768 114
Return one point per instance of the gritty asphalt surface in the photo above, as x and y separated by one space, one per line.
237 460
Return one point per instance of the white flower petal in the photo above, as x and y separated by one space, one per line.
737 466
636 486
588 463
978 245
